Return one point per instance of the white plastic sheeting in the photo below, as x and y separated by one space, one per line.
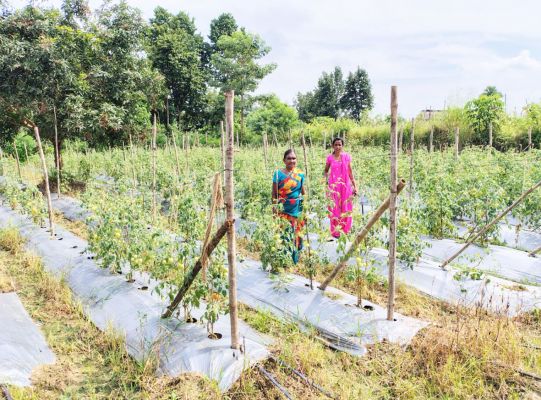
110 301
22 345
338 320
344 326
498 294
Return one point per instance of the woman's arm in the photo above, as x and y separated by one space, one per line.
352 179
326 171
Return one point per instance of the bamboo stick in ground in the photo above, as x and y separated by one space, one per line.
534 252
360 237
57 152
412 148
489 225
17 160
395 188
230 203
154 194
45 178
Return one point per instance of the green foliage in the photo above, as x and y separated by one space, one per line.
272 117
485 110
357 98
235 62
25 144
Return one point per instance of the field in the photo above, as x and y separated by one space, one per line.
468 350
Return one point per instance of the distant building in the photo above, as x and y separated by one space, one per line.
429 113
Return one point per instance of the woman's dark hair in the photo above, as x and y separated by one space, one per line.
336 139
288 152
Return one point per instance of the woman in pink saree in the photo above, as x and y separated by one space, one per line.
341 188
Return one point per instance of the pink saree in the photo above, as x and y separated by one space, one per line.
340 191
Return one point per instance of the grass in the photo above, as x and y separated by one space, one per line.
90 364
464 354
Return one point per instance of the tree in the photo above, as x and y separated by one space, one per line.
225 24
483 111
357 97
235 64
272 117
492 91
176 50
324 100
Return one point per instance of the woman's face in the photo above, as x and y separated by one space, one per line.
290 161
337 146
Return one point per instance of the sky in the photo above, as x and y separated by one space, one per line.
438 53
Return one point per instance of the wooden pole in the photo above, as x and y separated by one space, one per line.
306 167
133 161
490 134
17 160
360 237
190 278
57 152
324 140
457 132
401 139
488 226
529 138
46 179
25 152
264 137
431 140
534 252
394 189
222 133
154 200
412 147
229 204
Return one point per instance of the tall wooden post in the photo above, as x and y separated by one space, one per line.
229 204
57 152
265 155
324 140
392 206
490 134
46 179
306 167
431 140
154 200
17 160
412 147
529 138
401 139
25 152
222 134
457 132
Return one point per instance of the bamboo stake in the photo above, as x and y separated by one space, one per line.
46 179
457 131
490 134
25 152
324 140
395 190
222 143
57 152
488 226
215 203
154 199
534 252
133 163
307 183
401 139
412 147
306 167
230 203
529 138
431 140
190 278
265 150
17 160
360 236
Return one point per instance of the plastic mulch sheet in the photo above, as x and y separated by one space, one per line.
22 345
110 301
343 325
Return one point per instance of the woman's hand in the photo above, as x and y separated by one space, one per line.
355 191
